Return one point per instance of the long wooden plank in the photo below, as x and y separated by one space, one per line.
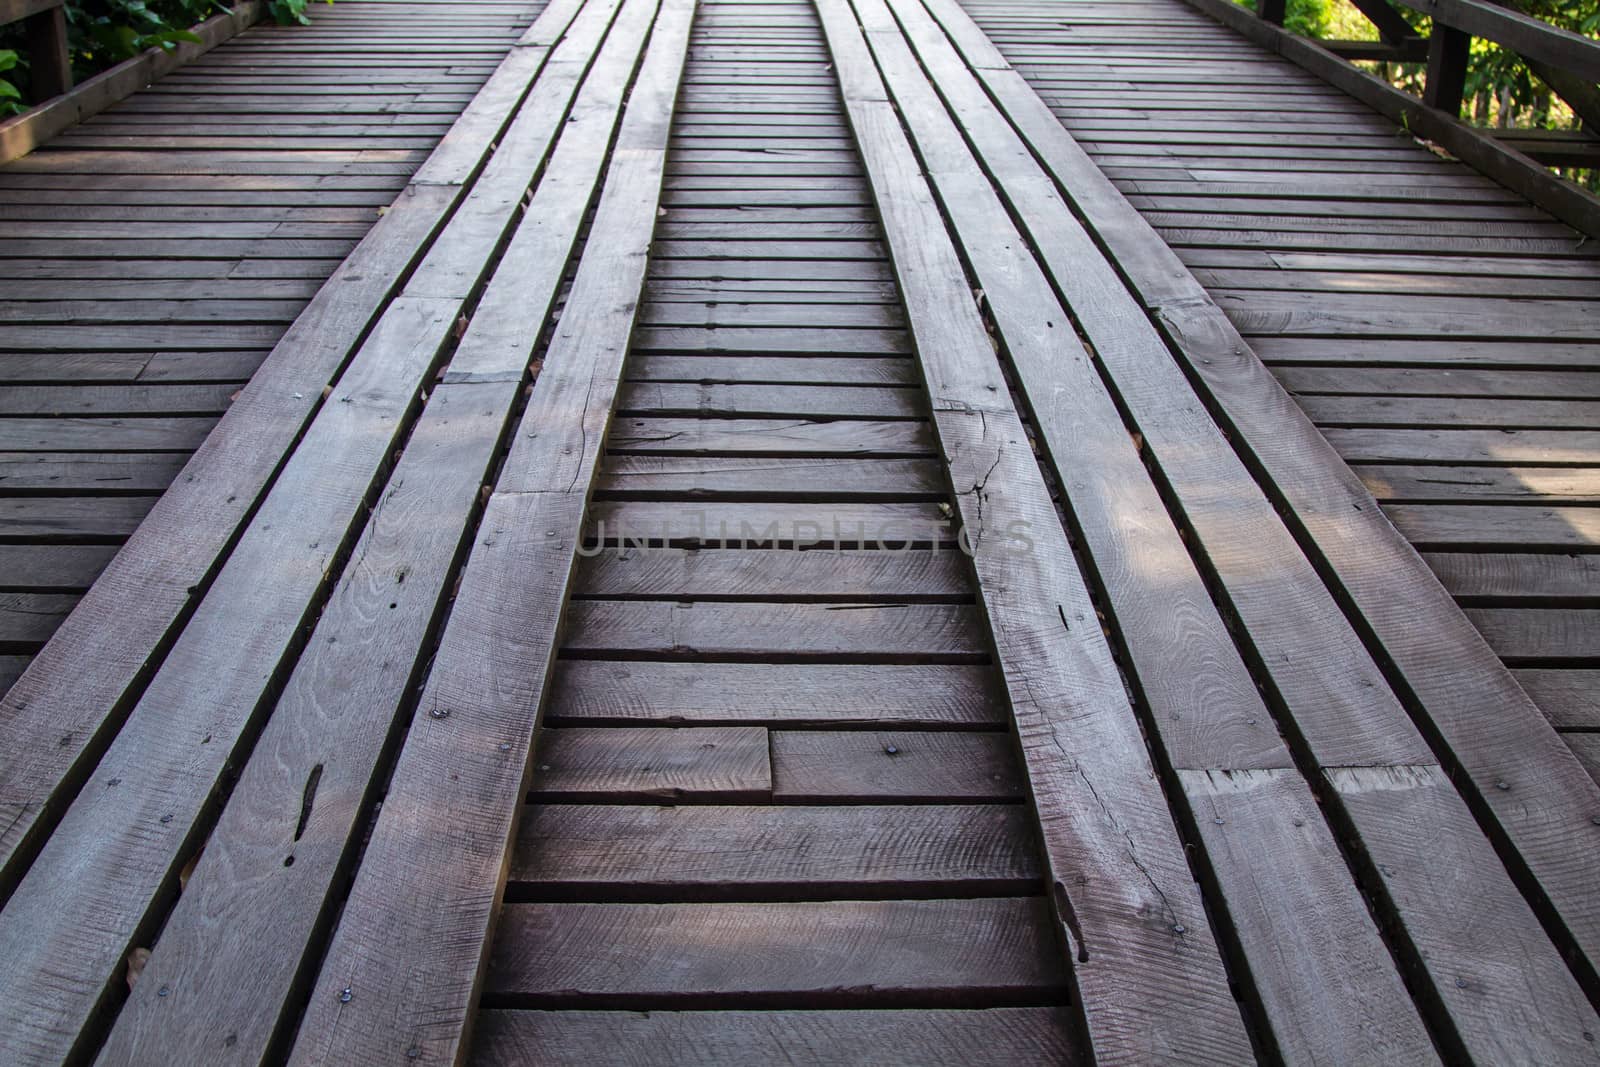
728 764
983 952
131 614
290 823
1489 731
763 631
659 852
480 706
941 1037
702 574
1089 772
927 695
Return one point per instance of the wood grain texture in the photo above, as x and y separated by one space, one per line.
608 691
269 866
694 851
710 764
1091 781
1486 724
930 1037
464 763
819 954
815 766
131 614
1201 696
759 631
682 574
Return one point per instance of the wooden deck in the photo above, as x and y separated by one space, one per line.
1441 332
783 544
155 253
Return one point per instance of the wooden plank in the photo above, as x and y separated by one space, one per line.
761 631
1571 698
721 765
622 852
28 619
1528 635
941 1037
602 692
1469 447
741 477
859 767
495 652
38 568
1405 483
726 574
1515 575
972 953
770 437
770 401
1492 731
1088 769
131 613
1587 748
888 526
1489 526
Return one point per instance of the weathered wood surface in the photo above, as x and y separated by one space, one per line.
465 759
130 617
1089 772
939 1038
876 823
137 308
1477 719
1138 780
1351 334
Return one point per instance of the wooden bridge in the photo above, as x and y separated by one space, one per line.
817 531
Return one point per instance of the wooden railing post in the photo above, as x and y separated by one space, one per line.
1447 69
1274 11
47 52
46 24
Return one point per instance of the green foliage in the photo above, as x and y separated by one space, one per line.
10 95
1306 17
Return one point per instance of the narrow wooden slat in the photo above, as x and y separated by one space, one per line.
626 477
727 764
607 691
751 524
862 953
1487 526
770 437
490 672
1571 698
663 852
711 630
1532 634
942 1038
680 574
859 766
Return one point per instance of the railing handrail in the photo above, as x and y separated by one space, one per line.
1530 37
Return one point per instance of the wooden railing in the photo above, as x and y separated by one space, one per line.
46 23
1567 62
